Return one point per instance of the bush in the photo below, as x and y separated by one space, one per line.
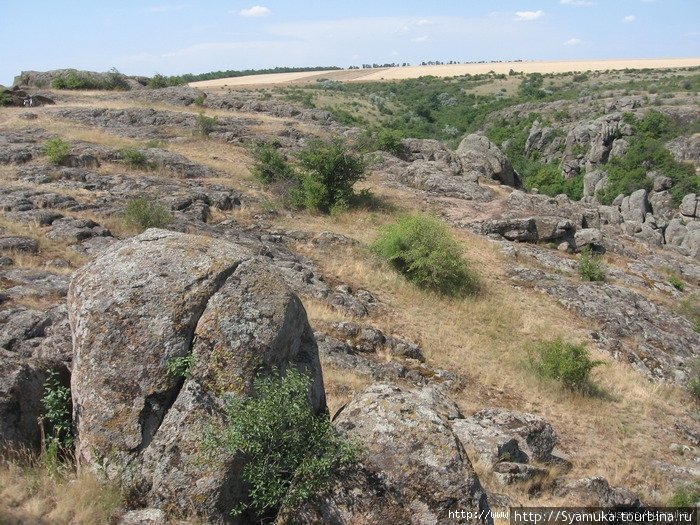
676 282
329 171
390 141
133 158
591 266
205 125
567 363
57 150
423 250
57 422
293 453
158 81
270 164
142 214
687 496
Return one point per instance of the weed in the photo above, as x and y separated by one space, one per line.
591 266
177 367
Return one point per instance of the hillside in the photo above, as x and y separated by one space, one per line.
532 175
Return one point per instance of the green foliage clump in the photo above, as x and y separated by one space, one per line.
328 172
293 453
57 421
205 124
134 158
270 164
549 180
676 282
687 496
177 367
390 141
648 153
423 250
56 150
159 81
77 80
546 178
531 86
5 98
567 363
591 266
142 214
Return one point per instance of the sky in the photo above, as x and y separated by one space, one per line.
173 37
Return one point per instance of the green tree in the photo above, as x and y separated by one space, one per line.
329 171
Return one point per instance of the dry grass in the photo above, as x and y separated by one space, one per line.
486 339
48 248
29 493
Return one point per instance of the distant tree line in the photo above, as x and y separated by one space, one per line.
159 80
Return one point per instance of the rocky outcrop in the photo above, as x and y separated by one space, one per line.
481 156
161 296
424 478
656 341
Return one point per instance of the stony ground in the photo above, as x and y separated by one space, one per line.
640 431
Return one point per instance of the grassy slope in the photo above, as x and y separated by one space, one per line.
485 339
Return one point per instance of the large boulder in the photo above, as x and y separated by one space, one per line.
164 295
414 469
479 154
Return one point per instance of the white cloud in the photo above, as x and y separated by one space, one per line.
576 2
423 22
629 19
573 42
256 10
528 16
420 39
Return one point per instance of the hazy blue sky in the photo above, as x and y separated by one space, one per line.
172 37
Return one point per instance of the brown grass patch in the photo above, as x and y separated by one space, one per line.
29 493
486 340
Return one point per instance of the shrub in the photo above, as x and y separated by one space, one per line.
133 158
180 366
591 266
687 496
142 214
56 150
205 125
676 282
423 250
158 81
390 141
293 453
565 362
5 98
329 171
56 421
270 164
